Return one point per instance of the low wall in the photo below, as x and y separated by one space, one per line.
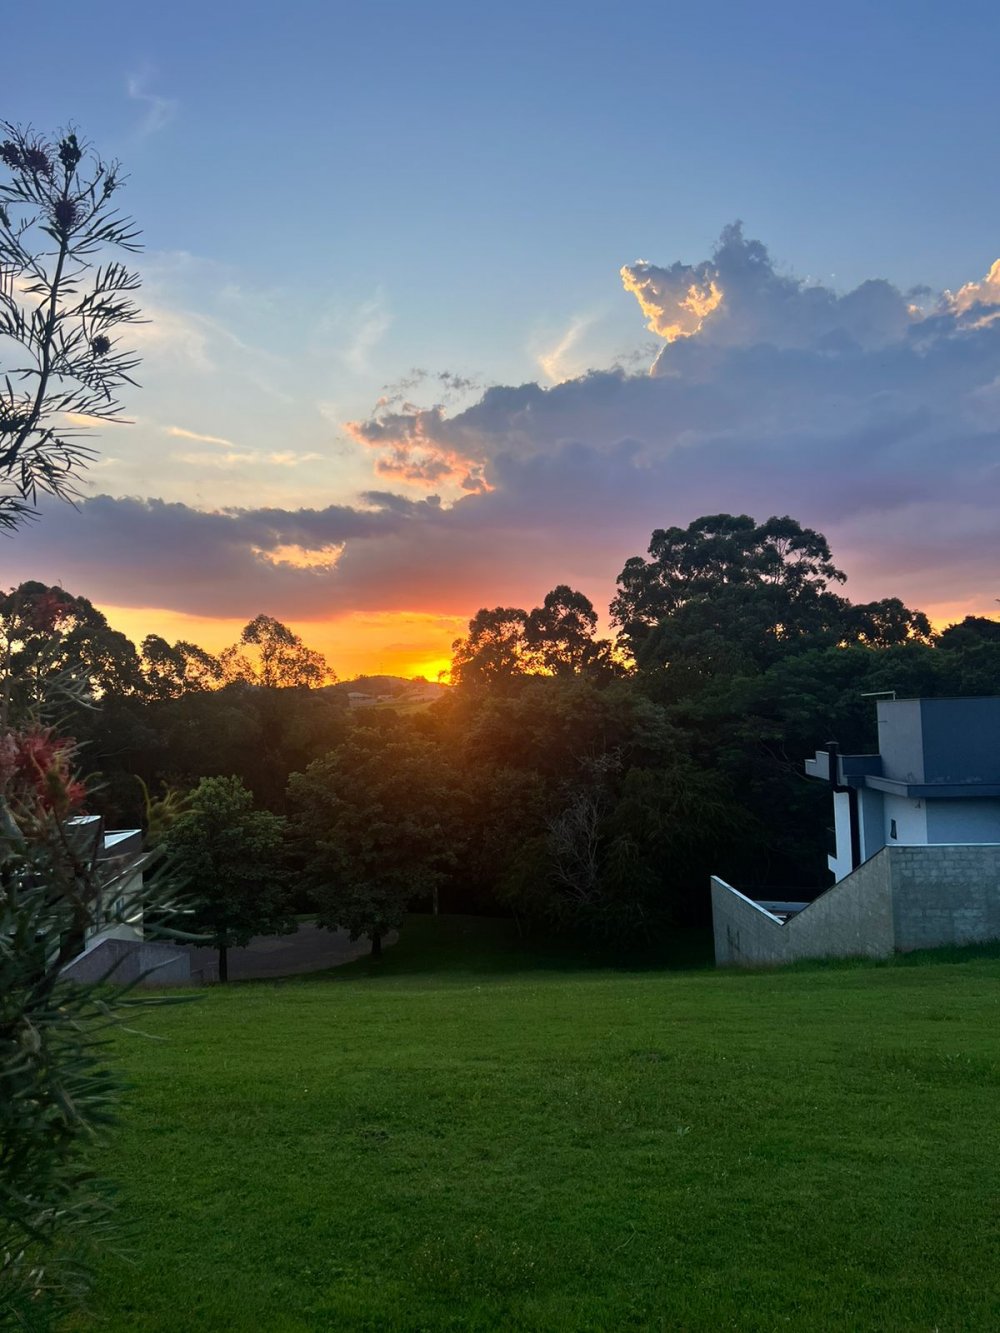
945 894
744 932
902 898
128 960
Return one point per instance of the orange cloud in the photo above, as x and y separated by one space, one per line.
408 452
674 306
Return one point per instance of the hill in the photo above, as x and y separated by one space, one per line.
390 691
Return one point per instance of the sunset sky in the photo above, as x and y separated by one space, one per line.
449 303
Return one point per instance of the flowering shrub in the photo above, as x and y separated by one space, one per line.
36 776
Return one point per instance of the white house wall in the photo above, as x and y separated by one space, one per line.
840 863
910 817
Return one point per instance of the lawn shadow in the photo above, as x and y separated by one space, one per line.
459 945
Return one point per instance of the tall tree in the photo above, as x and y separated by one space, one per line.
48 634
728 593
558 638
377 824
561 636
494 652
61 311
169 670
230 864
270 654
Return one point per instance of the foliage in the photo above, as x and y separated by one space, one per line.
271 655
61 311
50 640
376 820
230 864
168 671
162 812
57 1096
721 551
557 638
493 652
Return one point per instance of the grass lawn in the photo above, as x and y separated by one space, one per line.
475 1138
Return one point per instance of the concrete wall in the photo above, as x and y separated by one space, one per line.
902 898
945 895
744 933
126 960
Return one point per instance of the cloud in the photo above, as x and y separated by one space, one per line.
180 433
160 111
554 360
232 458
980 299
737 298
862 414
372 323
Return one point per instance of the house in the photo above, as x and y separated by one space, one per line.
114 943
934 781
916 861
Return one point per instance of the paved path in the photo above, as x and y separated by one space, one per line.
310 949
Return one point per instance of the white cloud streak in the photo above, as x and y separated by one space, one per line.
159 111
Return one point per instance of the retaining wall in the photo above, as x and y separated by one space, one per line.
901 898
129 960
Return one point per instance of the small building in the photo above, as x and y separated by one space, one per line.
916 861
934 781
114 944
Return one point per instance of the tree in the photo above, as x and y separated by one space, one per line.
789 566
170 670
560 636
557 638
48 635
270 654
886 623
970 632
61 311
493 653
229 861
377 823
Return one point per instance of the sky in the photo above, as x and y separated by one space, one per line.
449 304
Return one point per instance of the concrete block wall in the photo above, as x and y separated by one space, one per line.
945 894
854 917
902 898
851 919
745 934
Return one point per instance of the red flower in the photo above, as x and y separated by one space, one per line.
36 773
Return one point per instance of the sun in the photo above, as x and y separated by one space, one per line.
431 670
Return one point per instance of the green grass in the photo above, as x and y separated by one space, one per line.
479 1137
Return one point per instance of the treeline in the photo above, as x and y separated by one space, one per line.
578 783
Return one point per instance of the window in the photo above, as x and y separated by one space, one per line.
892 829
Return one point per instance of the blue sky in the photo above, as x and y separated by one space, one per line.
333 194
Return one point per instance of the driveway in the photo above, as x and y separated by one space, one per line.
310 949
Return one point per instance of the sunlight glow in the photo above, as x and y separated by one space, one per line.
683 317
